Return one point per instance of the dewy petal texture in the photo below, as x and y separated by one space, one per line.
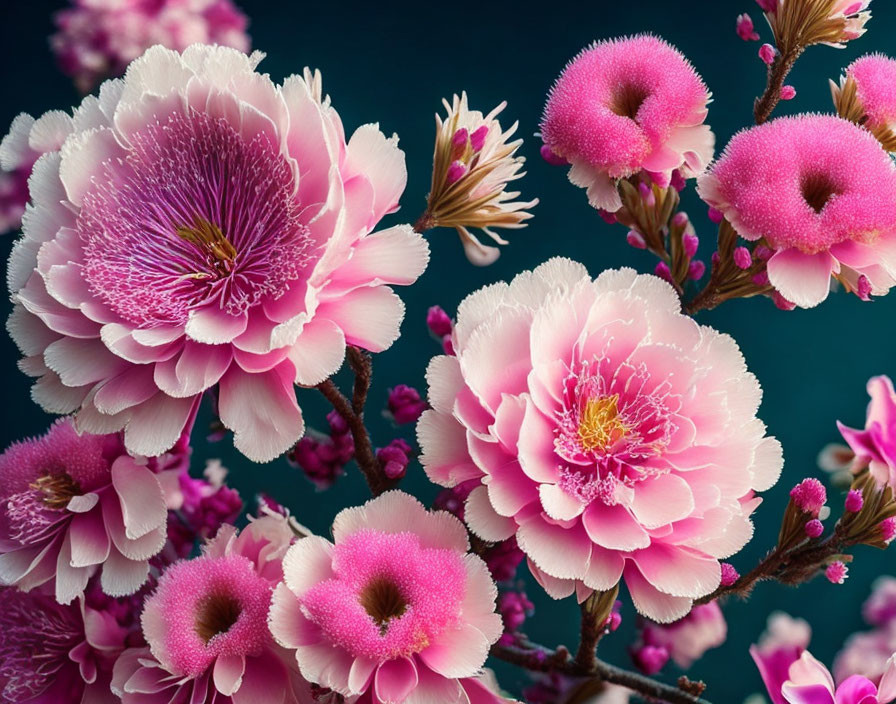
395 610
197 224
615 435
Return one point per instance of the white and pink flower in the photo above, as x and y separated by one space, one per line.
875 444
206 627
625 106
195 226
613 435
394 611
810 682
75 504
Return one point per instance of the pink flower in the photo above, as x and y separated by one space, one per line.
880 608
809 682
75 504
405 404
17 159
396 611
876 444
781 645
745 29
836 572
97 39
610 433
866 654
688 639
206 626
55 653
819 191
158 278
874 76
624 106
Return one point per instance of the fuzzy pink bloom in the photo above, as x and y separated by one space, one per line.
17 159
875 78
611 433
623 106
809 496
836 572
74 504
206 627
729 574
50 653
818 190
875 445
171 246
781 645
97 39
395 611
688 639
767 53
809 682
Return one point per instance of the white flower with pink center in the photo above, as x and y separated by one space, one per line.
613 435
206 627
395 611
197 225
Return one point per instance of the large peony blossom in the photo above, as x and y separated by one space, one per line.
612 434
206 626
51 653
198 225
97 39
624 106
395 612
821 193
74 504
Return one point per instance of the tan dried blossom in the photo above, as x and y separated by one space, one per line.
798 24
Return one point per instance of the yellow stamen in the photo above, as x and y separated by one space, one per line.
599 425
58 489
209 238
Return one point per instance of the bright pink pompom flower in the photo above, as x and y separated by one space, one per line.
97 39
611 433
206 626
875 77
876 443
623 106
73 504
821 192
397 611
198 225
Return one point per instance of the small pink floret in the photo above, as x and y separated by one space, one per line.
836 572
809 496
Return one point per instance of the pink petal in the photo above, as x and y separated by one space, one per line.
887 687
483 520
122 576
536 446
560 552
213 326
228 673
264 680
803 279
651 602
614 528
604 569
457 653
662 500
678 571
380 160
360 675
369 317
262 411
444 455
317 352
395 680
133 386
142 501
89 541
395 256
307 563
558 504
157 424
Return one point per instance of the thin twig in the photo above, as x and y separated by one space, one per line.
777 74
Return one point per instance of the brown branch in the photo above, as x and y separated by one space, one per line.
352 413
536 658
777 74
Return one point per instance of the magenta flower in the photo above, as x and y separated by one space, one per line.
75 504
97 39
395 611
624 106
614 436
688 639
876 444
159 277
53 653
745 28
866 96
809 682
781 645
405 404
821 193
206 627
867 654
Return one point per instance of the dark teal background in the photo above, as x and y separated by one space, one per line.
392 63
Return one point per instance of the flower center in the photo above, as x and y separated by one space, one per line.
382 600
627 100
57 489
817 190
216 615
195 215
599 424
